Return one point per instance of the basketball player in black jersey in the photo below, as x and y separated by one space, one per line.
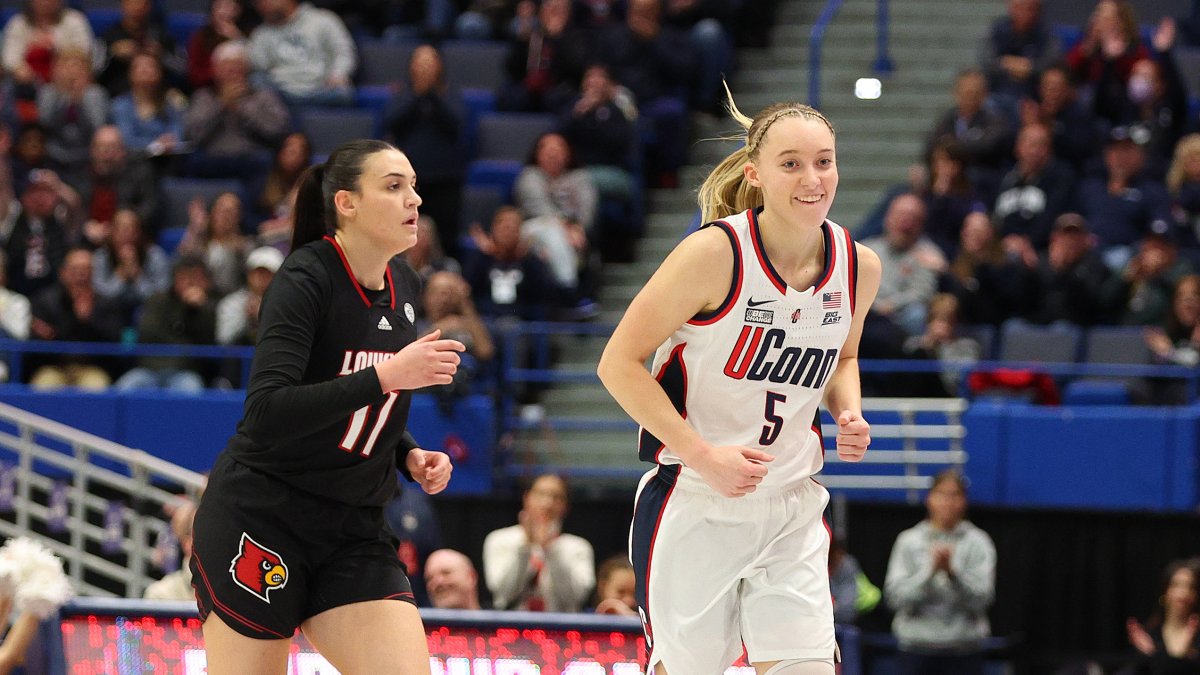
290 532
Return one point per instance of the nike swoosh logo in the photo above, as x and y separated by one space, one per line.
753 303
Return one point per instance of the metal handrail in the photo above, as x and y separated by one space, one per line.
816 41
48 456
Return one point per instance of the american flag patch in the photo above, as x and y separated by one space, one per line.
831 300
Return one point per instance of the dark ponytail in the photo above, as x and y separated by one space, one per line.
314 215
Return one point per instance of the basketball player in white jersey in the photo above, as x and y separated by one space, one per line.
753 321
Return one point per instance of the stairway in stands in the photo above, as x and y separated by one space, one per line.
581 426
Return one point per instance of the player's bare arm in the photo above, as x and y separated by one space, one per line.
843 394
693 279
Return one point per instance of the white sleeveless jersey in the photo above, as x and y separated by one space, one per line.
753 371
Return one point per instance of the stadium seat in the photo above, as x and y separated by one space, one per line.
383 62
511 136
181 25
499 174
179 192
1188 60
102 18
87 6
474 65
1113 345
328 128
985 335
478 204
170 7
169 239
1021 341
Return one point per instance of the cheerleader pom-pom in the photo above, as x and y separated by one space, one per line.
32 575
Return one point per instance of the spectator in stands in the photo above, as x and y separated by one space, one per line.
28 155
427 122
446 304
1152 101
412 520
34 589
941 342
71 108
72 311
615 582
1069 276
39 237
853 593
1018 48
304 52
129 268
1037 190
291 159
451 580
911 263
14 310
177 585
113 180
658 64
233 125
1074 129
600 125
940 582
949 196
31 41
534 565
426 256
507 279
1140 295
1110 41
1169 642
237 313
216 237
1178 341
139 31
227 20
544 65
185 314
1183 185
984 133
558 200
991 283
1124 202
149 115
705 23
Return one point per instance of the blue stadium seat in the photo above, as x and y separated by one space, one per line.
499 174
101 19
1115 345
170 237
179 192
328 128
170 7
7 13
511 136
474 65
373 97
985 335
1188 60
476 103
383 62
479 203
181 25
1021 341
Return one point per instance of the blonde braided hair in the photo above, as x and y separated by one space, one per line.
725 191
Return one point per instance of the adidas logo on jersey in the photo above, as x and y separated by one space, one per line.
383 324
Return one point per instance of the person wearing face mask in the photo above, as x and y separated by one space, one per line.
1152 102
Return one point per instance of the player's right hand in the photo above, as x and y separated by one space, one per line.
733 470
424 362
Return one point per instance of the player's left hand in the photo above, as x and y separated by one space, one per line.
430 469
853 437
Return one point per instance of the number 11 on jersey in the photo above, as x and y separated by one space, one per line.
358 422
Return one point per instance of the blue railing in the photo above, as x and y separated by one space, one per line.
883 64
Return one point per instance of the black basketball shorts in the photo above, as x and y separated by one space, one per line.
266 557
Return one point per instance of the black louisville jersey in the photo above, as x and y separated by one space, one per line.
314 416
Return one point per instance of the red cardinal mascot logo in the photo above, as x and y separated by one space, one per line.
258 569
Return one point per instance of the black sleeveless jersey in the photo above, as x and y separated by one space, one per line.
314 416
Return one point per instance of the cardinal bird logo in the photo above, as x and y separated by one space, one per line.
258 569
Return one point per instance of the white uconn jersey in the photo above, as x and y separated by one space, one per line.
753 371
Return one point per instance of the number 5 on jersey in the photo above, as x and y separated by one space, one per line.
774 425
358 422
